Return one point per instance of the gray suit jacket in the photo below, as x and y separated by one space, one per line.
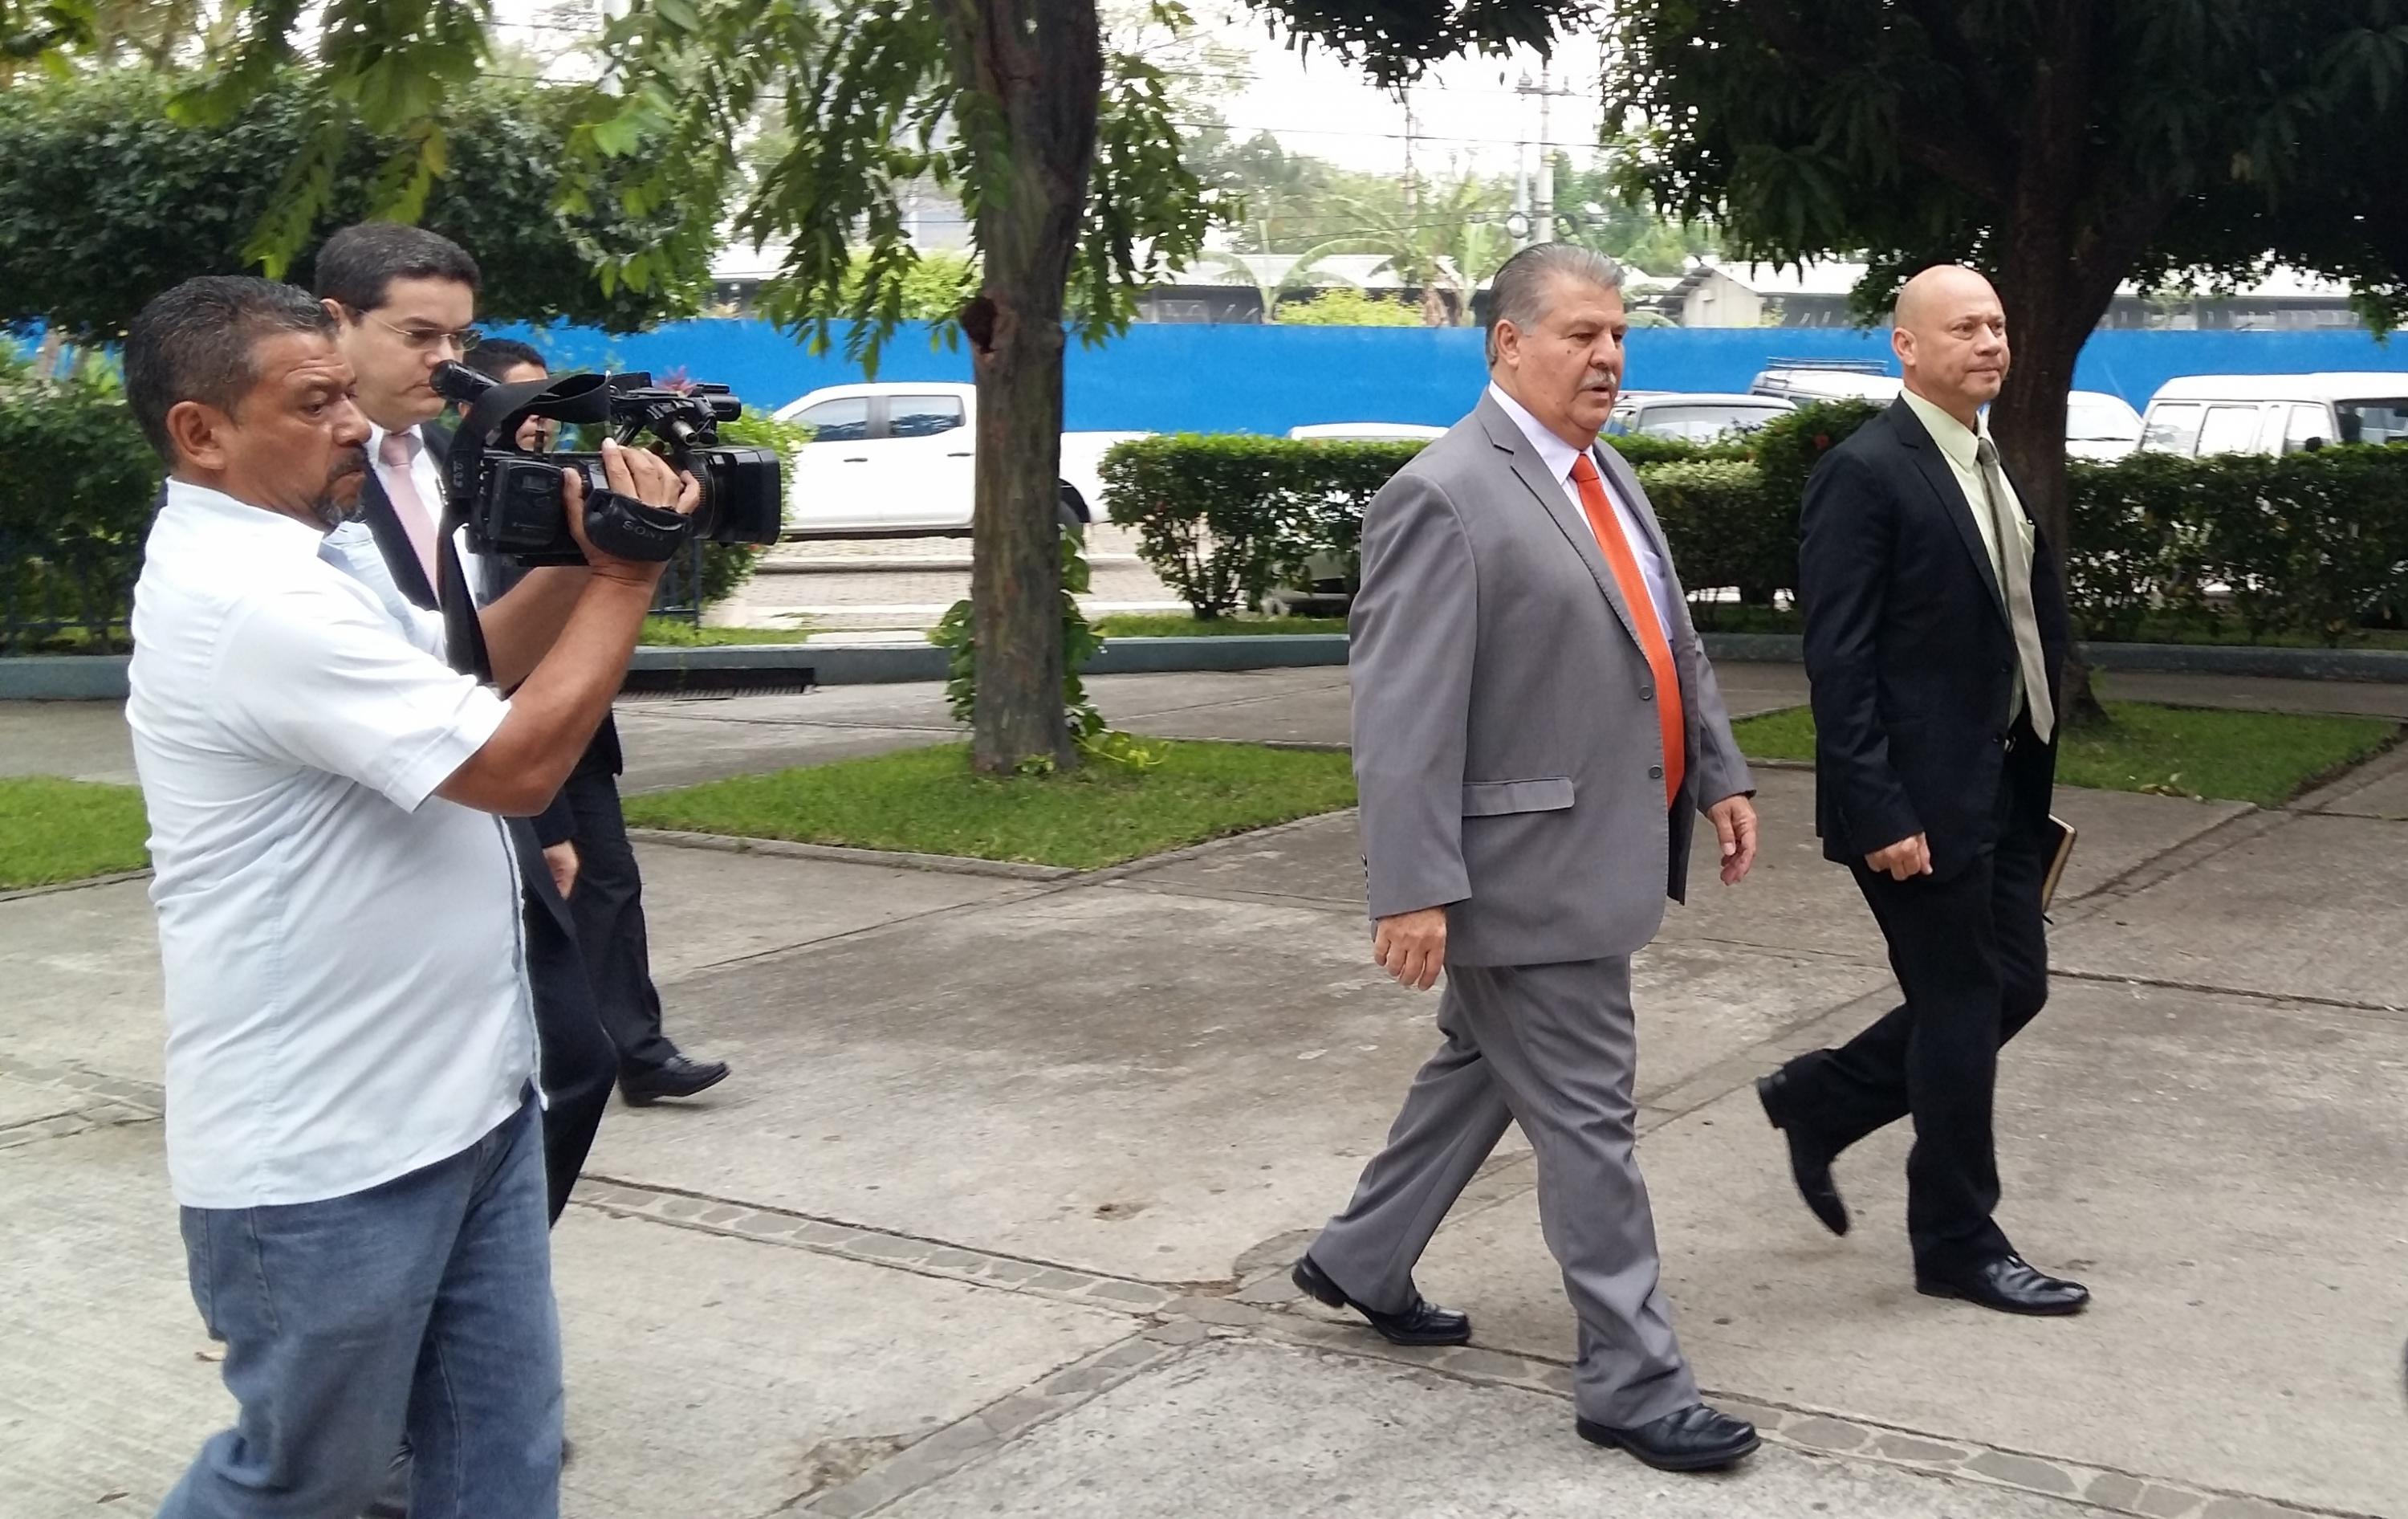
1506 744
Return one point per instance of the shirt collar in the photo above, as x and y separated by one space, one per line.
1556 454
1957 440
376 443
227 516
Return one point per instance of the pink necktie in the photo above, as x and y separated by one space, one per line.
398 452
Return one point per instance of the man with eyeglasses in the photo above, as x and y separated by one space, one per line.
403 299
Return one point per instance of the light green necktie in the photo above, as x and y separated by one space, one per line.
2016 567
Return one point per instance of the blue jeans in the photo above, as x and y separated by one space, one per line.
425 1305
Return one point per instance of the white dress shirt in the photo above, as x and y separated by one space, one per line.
1559 457
346 993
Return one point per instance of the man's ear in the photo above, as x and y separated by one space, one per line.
1902 342
198 431
335 308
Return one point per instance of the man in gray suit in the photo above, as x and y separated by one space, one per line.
1536 730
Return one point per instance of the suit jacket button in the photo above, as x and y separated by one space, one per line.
1646 693
1655 772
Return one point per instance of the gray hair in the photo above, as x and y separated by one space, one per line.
1519 293
198 342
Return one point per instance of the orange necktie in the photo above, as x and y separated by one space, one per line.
1608 528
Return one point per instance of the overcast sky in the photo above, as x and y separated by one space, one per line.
1467 113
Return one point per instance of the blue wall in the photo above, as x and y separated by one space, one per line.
1177 376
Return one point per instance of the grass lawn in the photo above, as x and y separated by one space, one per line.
677 633
926 801
53 830
2262 758
1180 625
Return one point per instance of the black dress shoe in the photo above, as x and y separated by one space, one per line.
1810 1165
1694 1439
1424 1324
2008 1283
676 1077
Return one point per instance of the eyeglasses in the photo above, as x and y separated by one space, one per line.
425 339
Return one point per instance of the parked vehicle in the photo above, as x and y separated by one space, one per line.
2207 414
896 459
1839 381
1692 417
1366 431
2100 427
2097 425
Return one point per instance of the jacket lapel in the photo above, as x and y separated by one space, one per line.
1951 497
1568 519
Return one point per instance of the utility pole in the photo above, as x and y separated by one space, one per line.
1542 197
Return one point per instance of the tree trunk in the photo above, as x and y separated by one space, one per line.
2048 319
1033 71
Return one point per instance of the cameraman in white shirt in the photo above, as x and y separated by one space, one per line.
352 1123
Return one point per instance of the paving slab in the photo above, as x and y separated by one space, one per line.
81 968
1283 1431
704 906
1749 689
83 741
713 1375
707 1375
2309 909
1125 1081
1318 716
2229 1178
111 1383
1318 860
30 1102
2384 793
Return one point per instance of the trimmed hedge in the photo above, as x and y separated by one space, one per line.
76 482
2303 544
1225 516
77 486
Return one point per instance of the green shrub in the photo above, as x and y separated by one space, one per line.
1724 529
1787 448
77 486
726 566
1225 516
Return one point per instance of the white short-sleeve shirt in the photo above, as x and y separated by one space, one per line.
346 992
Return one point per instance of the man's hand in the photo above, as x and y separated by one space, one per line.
1906 858
1411 947
633 472
1734 819
562 859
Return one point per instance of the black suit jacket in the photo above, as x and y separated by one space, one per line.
530 835
1910 651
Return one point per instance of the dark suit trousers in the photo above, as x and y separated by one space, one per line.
575 1057
1971 954
609 905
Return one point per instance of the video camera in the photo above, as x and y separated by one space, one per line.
513 501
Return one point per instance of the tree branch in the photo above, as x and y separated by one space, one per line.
1927 137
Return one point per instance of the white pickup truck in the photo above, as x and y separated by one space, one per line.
894 459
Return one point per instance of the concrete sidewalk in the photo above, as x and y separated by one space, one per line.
995 1215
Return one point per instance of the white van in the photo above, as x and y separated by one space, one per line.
2204 414
894 459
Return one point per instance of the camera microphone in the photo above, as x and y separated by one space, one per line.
455 381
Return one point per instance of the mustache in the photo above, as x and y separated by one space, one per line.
350 460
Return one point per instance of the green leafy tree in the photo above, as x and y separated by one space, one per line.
1064 153
1277 287
2062 145
109 201
1346 307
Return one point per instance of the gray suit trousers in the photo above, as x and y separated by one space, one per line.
1554 1048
